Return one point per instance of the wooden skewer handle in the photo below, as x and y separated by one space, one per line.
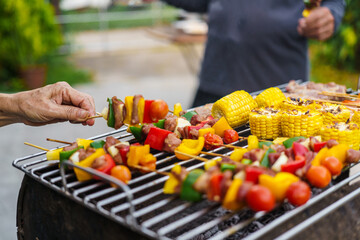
35 146
192 156
58 141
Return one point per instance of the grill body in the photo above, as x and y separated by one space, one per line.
52 204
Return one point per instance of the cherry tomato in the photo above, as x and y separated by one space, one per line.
298 193
158 110
212 141
333 165
122 173
230 135
260 198
318 176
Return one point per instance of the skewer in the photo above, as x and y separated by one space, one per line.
35 146
213 154
193 156
58 141
333 94
151 170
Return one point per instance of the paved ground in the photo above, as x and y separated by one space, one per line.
133 63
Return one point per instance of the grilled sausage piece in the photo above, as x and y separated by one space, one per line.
135 113
118 107
352 156
171 142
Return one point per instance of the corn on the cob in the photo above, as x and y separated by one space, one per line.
270 97
348 133
299 104
296 123
235 107
265 123
334 113
356 118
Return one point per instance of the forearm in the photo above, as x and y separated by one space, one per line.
337 8
200 6
8 109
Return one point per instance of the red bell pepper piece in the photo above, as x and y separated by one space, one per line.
291 167
124 149
318 146
156 138
214 192
106 168
252 174
147 118
299 149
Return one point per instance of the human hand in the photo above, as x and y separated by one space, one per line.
320 24
53 103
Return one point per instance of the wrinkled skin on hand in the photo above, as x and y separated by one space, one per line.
319 25
53 103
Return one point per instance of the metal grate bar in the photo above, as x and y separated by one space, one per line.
206 226
316 217
53 172
177 224
87 188
153 207
58 179
165 215
99 194
137 201
233 229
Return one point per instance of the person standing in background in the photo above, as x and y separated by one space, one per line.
257 44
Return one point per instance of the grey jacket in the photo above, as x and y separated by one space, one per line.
253 44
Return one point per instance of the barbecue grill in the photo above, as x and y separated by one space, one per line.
54 205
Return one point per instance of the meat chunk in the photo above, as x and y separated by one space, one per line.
170 123
196 119
194 133
243 190
171 142
331 143
225 183
119 112
212 122
110 141
202 183
352 156
146 128
70 147
98 162
135 113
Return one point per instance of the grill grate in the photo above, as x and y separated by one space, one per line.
142 207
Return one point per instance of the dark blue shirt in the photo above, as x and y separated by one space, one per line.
253 44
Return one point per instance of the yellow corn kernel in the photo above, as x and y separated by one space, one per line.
297 123
343 133
265 123
235 107
270 97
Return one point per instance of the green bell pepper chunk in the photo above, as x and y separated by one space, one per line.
265 161
188 193
111 116
225 166
246 161
160 123
65 155
289 142
137 132
267 143
189 115
97 144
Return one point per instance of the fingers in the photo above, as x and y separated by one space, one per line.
318 25
83 105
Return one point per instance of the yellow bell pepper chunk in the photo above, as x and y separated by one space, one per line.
149 158
141 107
339 151
253 142
204 131
80 174
279 184
189 146
211 163
220 126
306 13
83 142
177 109
230 201
322 154
172 182
237 154
136 154
53 154
280 140
129 107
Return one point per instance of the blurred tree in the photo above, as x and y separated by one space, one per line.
343 50
27 32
